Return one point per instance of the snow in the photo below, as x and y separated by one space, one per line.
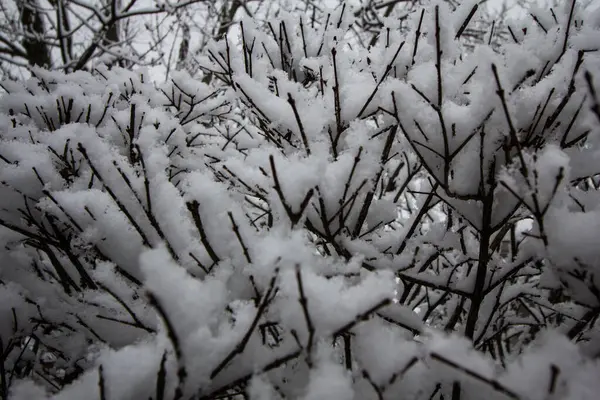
306 234
328 380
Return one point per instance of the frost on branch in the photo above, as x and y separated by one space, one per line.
316 219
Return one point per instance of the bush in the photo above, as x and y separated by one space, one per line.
315 219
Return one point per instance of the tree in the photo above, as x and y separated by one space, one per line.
163 35
320 219
71 35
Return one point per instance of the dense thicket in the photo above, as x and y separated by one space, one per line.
311 218
167 35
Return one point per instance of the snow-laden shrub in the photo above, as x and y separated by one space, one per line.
321 221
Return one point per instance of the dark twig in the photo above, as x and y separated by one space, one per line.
491 382
181 371
511 127
567 31
236 230
292 103
193 207
309 325
361 317
239 348
161 378
417 37
595 107
101 383
293 216
388 68
466 22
